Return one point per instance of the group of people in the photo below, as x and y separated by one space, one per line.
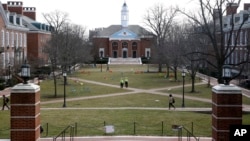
124 81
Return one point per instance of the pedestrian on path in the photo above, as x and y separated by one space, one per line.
171 102
5 102
126 82
121 82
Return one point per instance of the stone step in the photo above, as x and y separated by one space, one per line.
124 61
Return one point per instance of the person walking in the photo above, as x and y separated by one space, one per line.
121 82
171 102
126 82
5 102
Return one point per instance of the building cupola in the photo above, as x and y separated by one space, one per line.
124 15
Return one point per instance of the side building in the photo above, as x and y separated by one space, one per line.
122 41
239 37
22 38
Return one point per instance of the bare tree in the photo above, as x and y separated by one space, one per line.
175 49
56 20
159 19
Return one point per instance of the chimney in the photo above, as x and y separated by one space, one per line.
30 12
216 14
247 6
232 8
5 6
15 6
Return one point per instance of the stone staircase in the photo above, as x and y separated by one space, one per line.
124 61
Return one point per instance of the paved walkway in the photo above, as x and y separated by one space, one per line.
125 138
131 138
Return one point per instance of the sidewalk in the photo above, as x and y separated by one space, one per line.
126 138
130 138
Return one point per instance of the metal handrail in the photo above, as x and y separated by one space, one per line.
63 133
189 134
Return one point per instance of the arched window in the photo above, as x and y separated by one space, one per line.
124 45
134 46
115 46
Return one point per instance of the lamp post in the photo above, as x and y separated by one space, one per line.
25 72
226 74
183 74
148 64
9 78
101 64
64 90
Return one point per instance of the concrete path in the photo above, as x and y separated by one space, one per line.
131 138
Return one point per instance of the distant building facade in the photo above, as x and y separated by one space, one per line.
239 38
122 41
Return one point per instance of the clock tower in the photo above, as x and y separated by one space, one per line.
124 15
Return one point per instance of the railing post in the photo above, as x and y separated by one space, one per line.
76 129
47 129
192 129
162 128
134 128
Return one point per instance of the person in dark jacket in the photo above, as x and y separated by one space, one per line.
5 102
171 102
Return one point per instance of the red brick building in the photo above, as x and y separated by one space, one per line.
122 41
240 39
13 39
22 37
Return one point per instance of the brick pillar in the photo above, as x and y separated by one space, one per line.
25 112
226 110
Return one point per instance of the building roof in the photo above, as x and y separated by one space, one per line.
35 26
135 30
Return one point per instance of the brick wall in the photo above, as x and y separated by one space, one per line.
25 112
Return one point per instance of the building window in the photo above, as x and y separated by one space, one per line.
115 46
24 40
21 39
101 52
2 38
16 40
7 39
3 60
134 46
12 39
124 45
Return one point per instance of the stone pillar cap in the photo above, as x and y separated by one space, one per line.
230 89
25 88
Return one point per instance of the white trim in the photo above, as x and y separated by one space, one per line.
221 105
215 129
227 118
37 128
37 103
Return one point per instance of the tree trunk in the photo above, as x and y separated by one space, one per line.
160 67
55 82
193 82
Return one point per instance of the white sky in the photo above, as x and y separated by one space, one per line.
102 13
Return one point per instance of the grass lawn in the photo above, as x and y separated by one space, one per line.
202 91
132 100
126 122
137 76
74 89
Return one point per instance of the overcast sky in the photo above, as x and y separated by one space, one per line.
102 13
